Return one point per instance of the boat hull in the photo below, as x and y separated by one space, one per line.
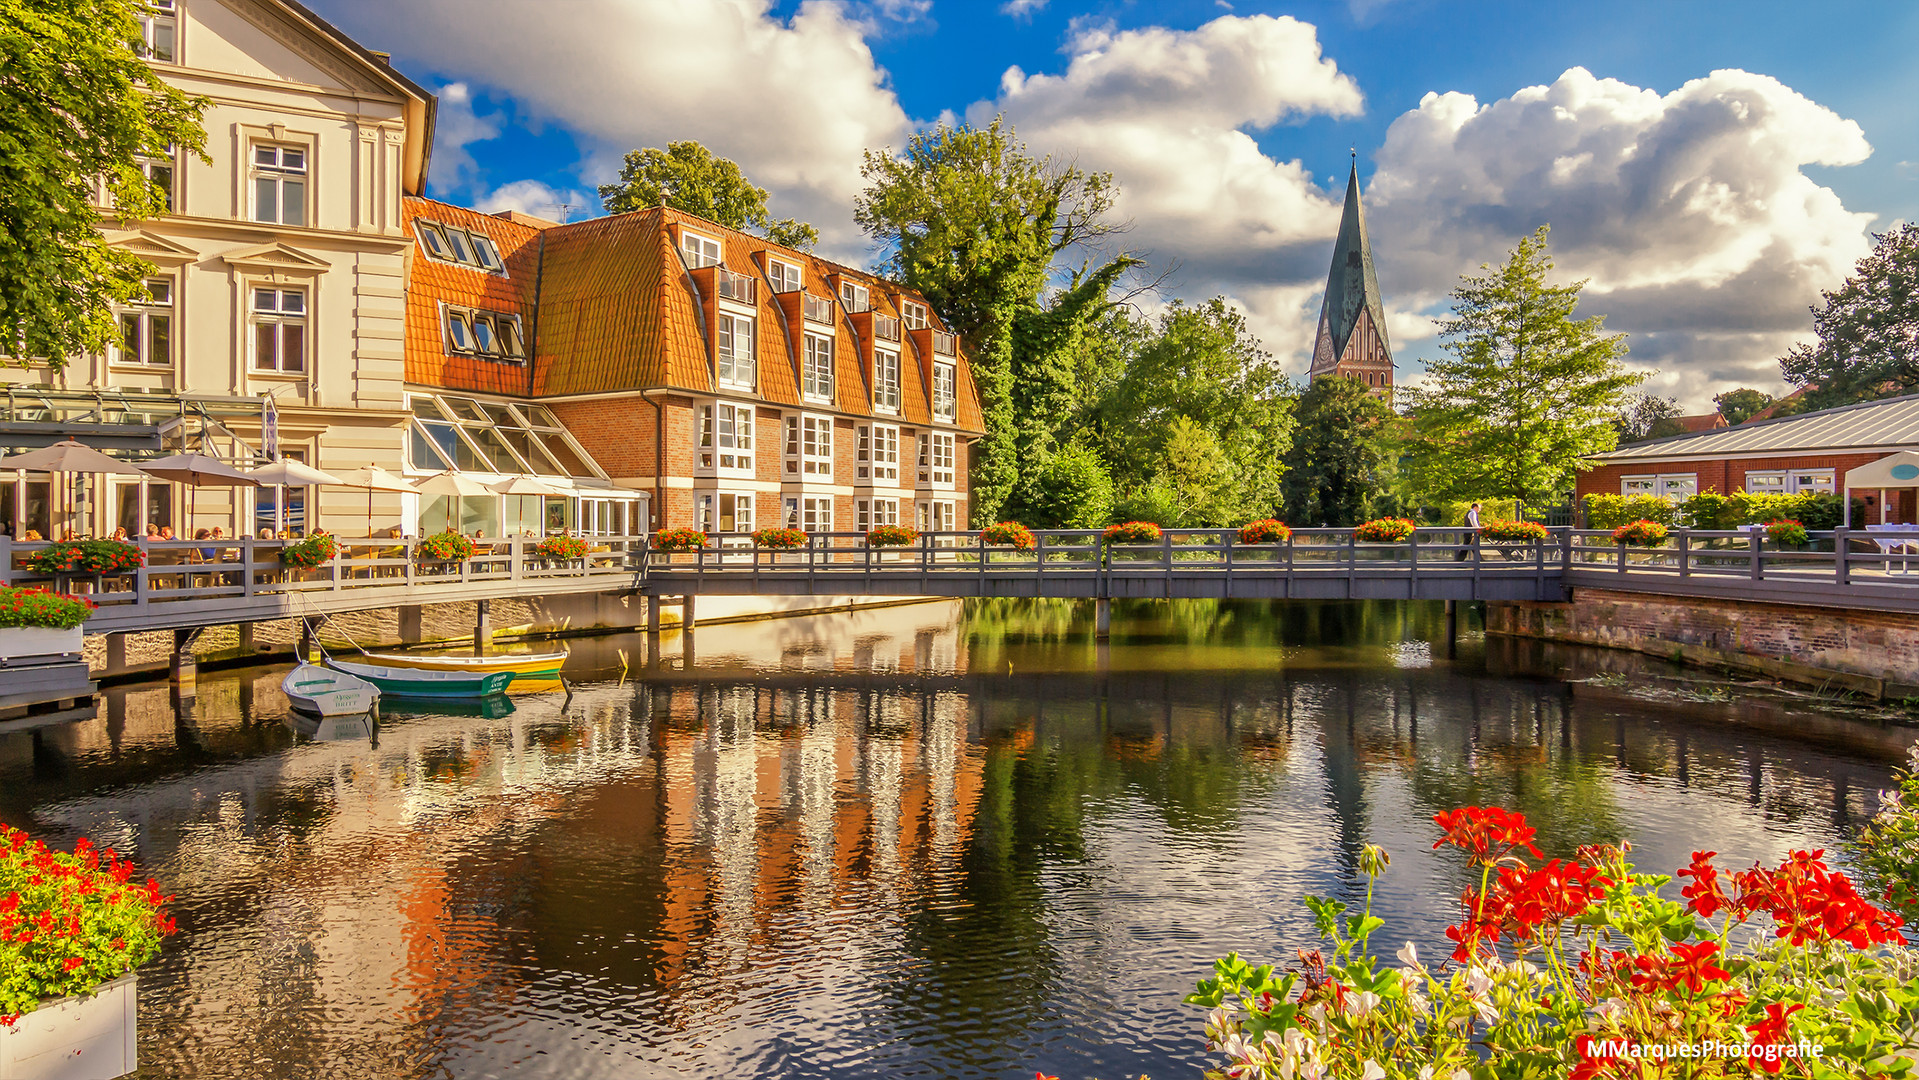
428 683
525 667
328 693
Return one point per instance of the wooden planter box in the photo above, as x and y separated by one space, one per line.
76 1038
20 642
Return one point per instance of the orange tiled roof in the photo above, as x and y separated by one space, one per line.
618 311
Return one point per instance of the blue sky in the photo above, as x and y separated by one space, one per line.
1708 167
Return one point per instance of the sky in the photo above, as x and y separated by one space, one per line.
1706 168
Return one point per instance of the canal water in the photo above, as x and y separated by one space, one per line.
937 840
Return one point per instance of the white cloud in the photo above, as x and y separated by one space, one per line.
1021 9
1688 212
538 199
794 101
456 127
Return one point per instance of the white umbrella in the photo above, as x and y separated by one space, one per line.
68 456
286 474
197 470
373 478
455 485
526 485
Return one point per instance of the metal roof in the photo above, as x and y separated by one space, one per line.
1889 423
1352 285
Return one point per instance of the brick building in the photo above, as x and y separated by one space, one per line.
717 379
1808 452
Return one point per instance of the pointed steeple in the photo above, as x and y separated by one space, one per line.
1352 319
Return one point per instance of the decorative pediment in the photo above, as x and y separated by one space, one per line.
274 257
150 246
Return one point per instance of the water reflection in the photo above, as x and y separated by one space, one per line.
923 841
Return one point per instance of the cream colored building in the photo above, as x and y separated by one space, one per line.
279 275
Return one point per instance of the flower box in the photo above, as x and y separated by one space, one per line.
17 642
76 1038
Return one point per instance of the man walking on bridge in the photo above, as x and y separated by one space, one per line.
1472 532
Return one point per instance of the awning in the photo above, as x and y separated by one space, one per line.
1900 470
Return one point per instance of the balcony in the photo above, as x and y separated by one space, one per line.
886 328
817 309
944 344
735 287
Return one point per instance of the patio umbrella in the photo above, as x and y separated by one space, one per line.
197 470
373 478
69 456
455 485
527 485
286 474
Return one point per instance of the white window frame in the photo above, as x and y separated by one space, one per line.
816 370
914 315
784 276
699 249
809 446
711 505
945 391
886 381
938 515
936 450
138 321
1773 482
291 184
281 318
160 24
871 513
726 438
810 513
1664 485
1815 480
855 297
735 366
878 455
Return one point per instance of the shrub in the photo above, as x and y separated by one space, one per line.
1640 533
560 548
892 536
1454 513
1515 532
1072 490
448 546
1886 851
1384 530
1612 511
86 557
1264 531
1786 533
314 551
1009 534
38 607
1132 532
1600 975
679 540
780 538
70 922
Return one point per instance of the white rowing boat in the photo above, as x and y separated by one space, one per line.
325 692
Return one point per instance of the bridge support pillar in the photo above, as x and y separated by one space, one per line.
183 671
247 644
412 624
686 612
1452 629
482 627
116 654
653 605
1102 619
309 637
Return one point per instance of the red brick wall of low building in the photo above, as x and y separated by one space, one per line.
1722 476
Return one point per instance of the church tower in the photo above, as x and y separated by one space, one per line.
1352 321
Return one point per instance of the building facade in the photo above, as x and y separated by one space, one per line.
1351 341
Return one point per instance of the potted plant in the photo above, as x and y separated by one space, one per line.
96 557
1132 532
892 536
1641 533
1385 531
1264 531
443 547
560 548
1787 533
780 539
1009 534
679 540
1511 535
310 553
35 622
74 926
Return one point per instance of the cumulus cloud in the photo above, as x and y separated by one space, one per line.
794 101
539 199
1689 212
1170 113
458 126
1020 9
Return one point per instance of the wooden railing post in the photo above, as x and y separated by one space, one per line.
1685 553
1841 548
1755 546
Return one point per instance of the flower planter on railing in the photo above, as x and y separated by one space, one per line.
84 1037
1514 539
1009 534
35 623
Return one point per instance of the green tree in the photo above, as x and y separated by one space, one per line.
977 225
1868 329
1739 406
78 105
1524 389
1647 416
686 176
1072 490
1201 369
1337 467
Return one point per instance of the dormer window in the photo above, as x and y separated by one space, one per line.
699 250
913 315
466 247
784 276
853 297
490 335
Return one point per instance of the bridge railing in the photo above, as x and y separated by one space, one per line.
1880 556
245 567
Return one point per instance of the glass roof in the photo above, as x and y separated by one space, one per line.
451 431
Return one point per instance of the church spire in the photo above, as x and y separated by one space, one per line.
1352 319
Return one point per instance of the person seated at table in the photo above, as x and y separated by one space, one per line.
120 534
153 530
166 533
32 536
207 554
69 535
266 534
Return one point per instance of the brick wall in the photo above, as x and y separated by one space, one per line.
1724 477
1872 651
617 432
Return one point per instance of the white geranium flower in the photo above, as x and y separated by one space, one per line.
1372 1071
1409 955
